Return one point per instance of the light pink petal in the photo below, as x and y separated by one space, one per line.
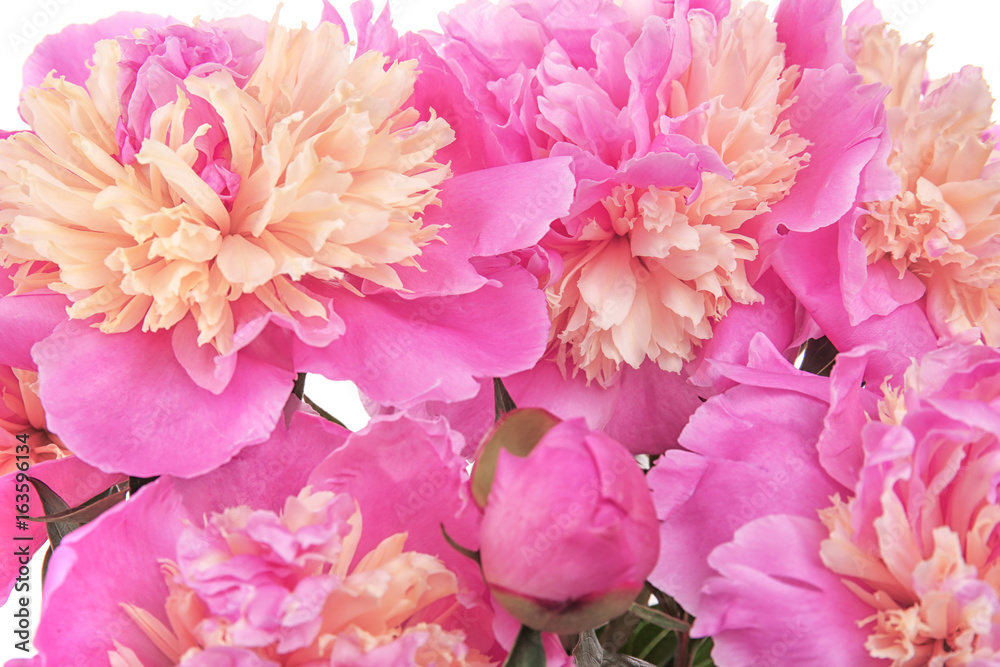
402 352
26 319
844 121
754 455
488 212
74 481
811 270
812 31
68 51
776 603
378 35
652 409
264 475
107 562
123 403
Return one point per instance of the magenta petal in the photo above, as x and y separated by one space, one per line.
68 51
123 403
754 455
851 407
107 562
26 319
226 656
776 603
74 481
812 31
401 352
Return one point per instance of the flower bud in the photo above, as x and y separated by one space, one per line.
569 532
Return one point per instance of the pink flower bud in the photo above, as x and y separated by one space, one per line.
569 532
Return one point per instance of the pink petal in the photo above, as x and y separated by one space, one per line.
776 603
401 352
845 123
731 336
107 562
545 386
405 475
123 403
652 409
264 475
488 212
68 51
754 455
26 319
812 31
807 266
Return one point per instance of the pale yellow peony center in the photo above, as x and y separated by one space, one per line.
651 285
334 171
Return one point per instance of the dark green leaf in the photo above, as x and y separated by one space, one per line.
659 619
86 512
502 402
322 413
468 553
527 651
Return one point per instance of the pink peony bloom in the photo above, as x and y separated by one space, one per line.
317 547
192 302
695 138
843 531
918 263
942 226
562 556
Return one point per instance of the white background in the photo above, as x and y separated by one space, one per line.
965 32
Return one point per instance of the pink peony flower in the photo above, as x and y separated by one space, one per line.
918 263
697 133
941 227
294 552
192 303
562 556
843 531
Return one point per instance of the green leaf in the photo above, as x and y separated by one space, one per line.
527 651
52 503
86 512
701 656
61 519
590 653
659 619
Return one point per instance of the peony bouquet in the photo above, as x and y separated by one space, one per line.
678 322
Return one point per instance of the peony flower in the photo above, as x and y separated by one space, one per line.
843 531
697 133
942 226
269 216
317 547
915 540
562 556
